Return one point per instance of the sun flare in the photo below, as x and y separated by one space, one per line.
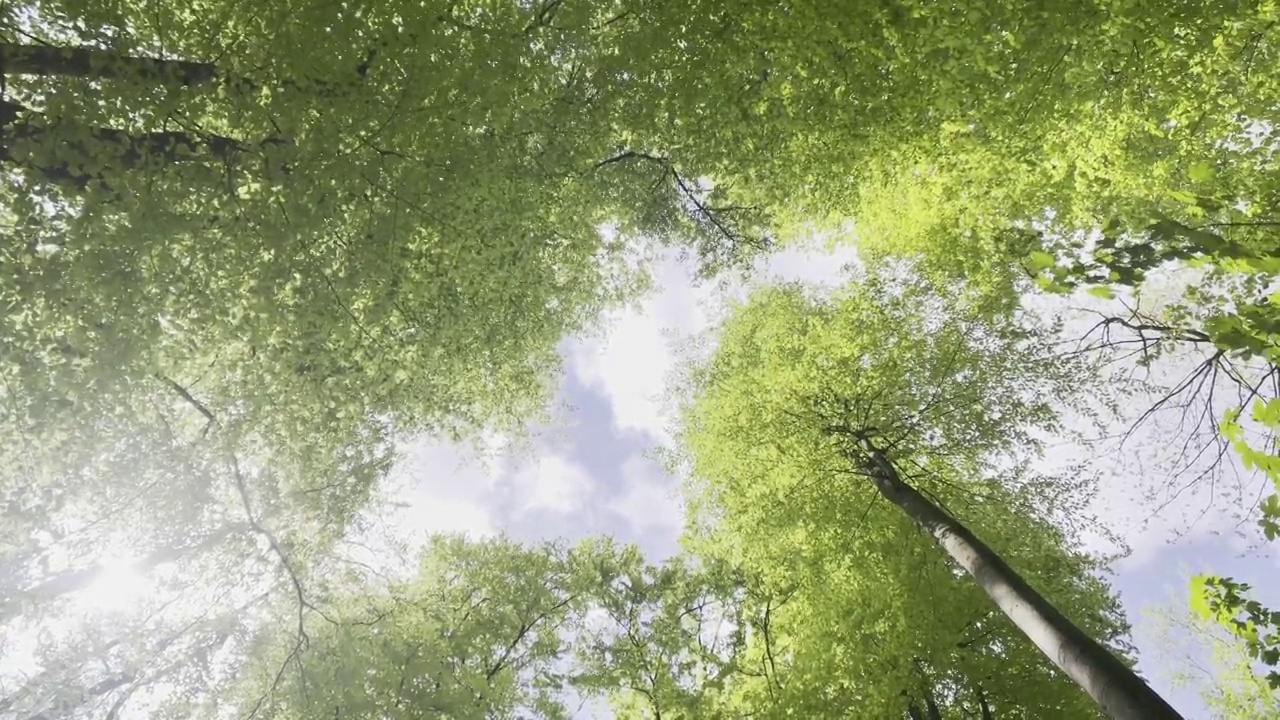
119 583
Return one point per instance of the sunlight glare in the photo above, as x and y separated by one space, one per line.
119 584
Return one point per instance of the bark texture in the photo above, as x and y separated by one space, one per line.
1115 687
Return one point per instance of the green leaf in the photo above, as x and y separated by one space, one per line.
1201 172
1041 260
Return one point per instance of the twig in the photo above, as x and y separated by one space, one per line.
186 395
303 604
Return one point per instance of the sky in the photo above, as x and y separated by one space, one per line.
592 469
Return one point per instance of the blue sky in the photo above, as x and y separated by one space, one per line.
591 470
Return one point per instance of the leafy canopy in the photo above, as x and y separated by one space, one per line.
870 615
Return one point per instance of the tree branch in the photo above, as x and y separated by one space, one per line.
186 395
302 639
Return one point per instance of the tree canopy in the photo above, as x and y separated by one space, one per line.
285 238
251 251
954 398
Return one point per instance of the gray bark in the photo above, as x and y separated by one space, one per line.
1115 687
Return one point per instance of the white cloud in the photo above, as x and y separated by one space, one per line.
632 361
441 487
650 501
552 483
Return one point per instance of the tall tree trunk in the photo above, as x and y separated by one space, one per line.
95 63
1120 692
82 155
913 711
931 707
983 706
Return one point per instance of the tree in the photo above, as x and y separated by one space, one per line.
259 246
1228 321
663 640
1255 626
494 629
294 246
255 249
480 630
806 398
940 129
1228 684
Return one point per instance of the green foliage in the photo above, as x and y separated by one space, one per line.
256 246
493 629
381 240
477 632
873 615
663 640
289 237
971 134
1227 602
1228 684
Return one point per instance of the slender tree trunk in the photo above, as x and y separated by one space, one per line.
76 156
913 711
98 64
86 62
1115 687
930 707
983 706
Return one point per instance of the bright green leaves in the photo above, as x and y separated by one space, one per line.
1270 520
1040 260
873 614
1266 413
331 253
1251 331
1227 683
483 629
1201 172
342 227
662 640
495 629
1227 602
292 263
1224 600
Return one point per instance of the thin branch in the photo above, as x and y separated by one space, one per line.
186 395
302 639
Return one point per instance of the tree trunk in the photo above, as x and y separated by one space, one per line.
83 155
94 63
930 707
983 706
1115 687
98 64
913 711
